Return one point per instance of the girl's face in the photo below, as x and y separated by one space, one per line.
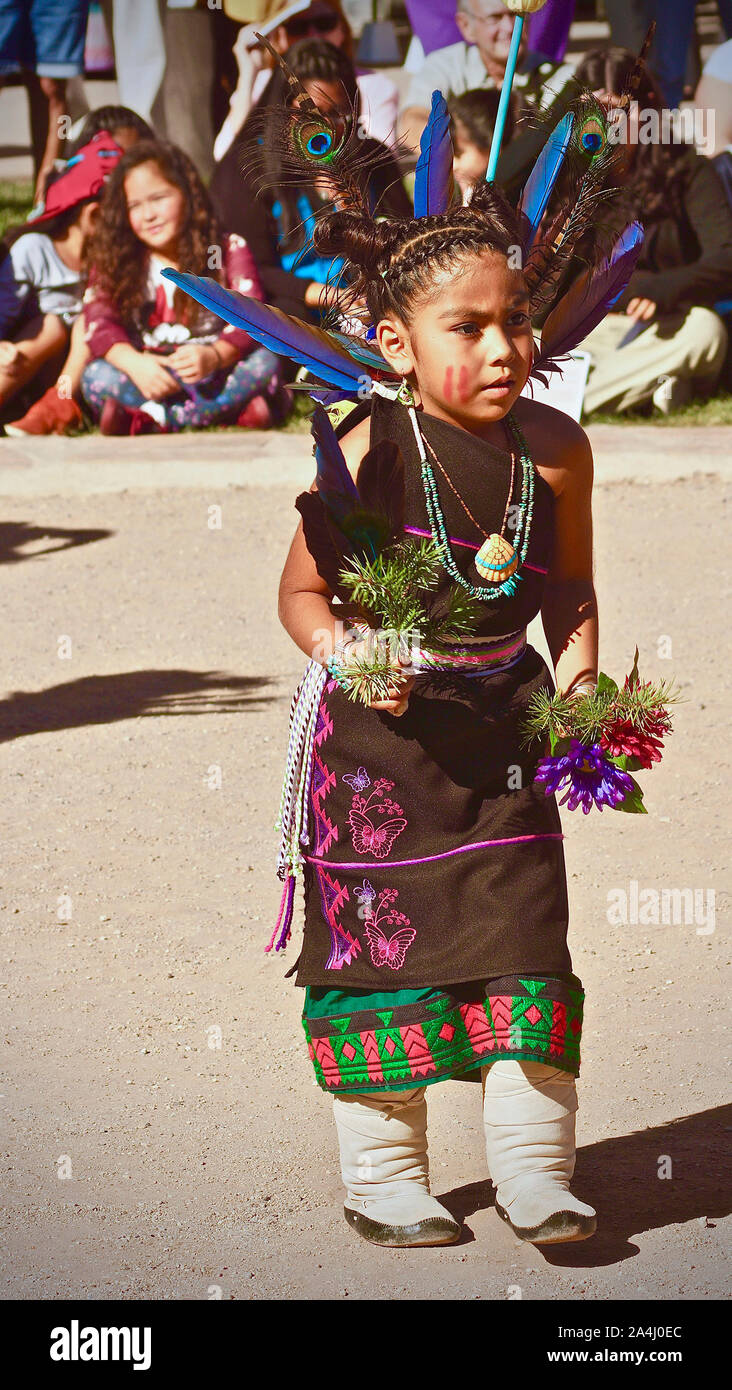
155 207
469 162
470 345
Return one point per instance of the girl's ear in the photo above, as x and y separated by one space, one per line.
394 342
88 219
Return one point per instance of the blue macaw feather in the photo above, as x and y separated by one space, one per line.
362 350
591 297
433 182
538 187
327 398
281 333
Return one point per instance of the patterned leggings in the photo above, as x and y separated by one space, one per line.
217 399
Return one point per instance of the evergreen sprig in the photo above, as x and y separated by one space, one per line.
393 591
587 716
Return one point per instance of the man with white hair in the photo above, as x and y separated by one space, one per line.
479 60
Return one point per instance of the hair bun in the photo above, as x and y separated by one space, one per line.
363 242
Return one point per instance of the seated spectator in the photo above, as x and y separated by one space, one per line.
685 266
277 222
161 362
714 95
480 61
123 124
325 20
472 121
41 282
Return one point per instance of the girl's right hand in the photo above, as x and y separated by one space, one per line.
399 689
150 377
398 705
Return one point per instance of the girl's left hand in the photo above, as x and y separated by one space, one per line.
193 361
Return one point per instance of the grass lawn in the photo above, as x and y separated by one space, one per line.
16 200
715 411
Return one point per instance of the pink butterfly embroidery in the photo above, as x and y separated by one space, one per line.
373 839
358 780
391 950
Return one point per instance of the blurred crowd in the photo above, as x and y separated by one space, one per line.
180 173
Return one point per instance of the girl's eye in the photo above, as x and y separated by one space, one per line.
466 329
519 319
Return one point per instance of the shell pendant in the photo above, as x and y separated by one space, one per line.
497 559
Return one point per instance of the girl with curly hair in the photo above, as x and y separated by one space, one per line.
159 362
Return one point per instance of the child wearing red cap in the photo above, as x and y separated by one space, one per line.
41 285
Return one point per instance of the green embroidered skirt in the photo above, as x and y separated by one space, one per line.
365 1040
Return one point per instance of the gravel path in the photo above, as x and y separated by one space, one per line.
164 1136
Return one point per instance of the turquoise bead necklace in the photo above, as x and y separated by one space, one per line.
487 594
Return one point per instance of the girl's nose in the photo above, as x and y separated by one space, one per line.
499 347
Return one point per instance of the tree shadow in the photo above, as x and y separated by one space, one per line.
129 695
621 1178
15 535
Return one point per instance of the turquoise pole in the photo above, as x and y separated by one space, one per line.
518 28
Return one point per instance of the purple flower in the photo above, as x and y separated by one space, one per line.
590 779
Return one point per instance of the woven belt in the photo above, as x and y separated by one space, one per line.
474 657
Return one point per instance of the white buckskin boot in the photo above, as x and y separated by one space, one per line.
529 1119
383 1143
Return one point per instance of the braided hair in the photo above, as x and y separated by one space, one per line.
393 264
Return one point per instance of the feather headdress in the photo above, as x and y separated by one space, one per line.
559 208
433 177
582 185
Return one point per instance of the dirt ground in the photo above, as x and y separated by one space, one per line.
164 1136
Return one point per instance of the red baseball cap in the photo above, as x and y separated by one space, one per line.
83 177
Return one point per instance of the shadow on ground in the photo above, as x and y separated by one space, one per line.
620 1178
16 535
129 695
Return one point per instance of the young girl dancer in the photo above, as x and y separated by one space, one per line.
436 909
157 363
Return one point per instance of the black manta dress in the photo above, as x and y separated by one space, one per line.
436 909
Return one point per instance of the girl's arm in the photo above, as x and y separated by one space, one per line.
569 607
103 328
306 606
